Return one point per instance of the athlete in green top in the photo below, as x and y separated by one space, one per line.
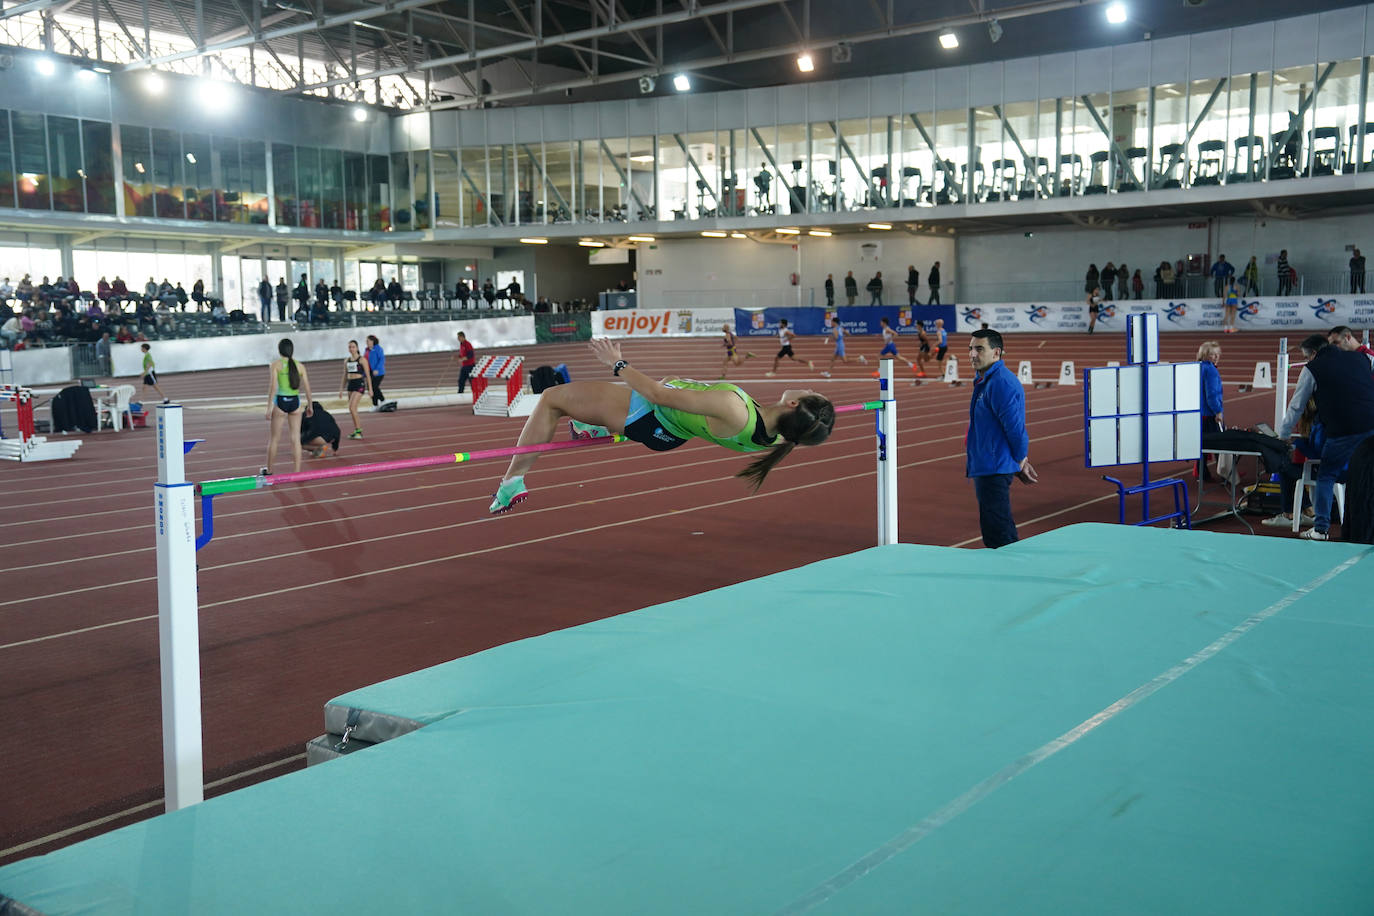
150 374
663 415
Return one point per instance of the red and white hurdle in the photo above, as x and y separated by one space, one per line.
30 447
498 388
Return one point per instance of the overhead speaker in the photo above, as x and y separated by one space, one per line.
646 84
6 61
841 53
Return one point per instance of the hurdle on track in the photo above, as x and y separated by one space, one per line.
177 543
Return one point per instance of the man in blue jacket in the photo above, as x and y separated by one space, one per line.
998 444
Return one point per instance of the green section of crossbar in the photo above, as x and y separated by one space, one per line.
872 405
228 485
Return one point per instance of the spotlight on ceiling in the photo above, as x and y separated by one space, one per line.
804 62
647 84
681 83
1116 13
45 66
949 41
154 83
360 114
994 31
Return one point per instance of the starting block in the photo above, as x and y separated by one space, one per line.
1066 373
951 375
506 398
1264 378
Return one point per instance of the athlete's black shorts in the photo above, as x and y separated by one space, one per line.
288 403
940 353
357 384
786 351
925 346
648 431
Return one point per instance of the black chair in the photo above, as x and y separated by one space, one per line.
1097 174
1250 151
1353 150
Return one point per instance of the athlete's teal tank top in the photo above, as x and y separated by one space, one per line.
686 425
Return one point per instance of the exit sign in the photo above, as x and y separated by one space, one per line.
1197 225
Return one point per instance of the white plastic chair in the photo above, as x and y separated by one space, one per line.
1308 484
116 408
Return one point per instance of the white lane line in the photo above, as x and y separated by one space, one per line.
139 809
948 812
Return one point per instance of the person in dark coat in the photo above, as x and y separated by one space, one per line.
318 430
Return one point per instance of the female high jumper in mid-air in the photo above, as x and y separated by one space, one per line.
663 415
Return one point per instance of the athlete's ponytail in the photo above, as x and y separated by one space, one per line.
293 374
809 424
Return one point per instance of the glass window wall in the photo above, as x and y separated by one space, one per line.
98 153
65 165
283 183
6 162
168 202
31 160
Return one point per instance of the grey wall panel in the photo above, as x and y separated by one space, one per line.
853 98
985 84
585 124
1131 66
443 129
791 102
408 133
529 125
1209 55
1169 60
1021 80
500 125
732 110
557 122
1297 43
1340 33
918 93
951 88
701 113
1092 71
822 102
1057 76
885 95
761 106
472 128
643 117
615 121
1252 48
672 114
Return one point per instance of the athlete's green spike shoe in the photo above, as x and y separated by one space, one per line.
582 430
508 495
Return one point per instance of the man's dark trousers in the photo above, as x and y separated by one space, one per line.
994 510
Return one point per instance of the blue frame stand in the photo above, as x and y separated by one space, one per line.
1142 349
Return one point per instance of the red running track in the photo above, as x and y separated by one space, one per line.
309 591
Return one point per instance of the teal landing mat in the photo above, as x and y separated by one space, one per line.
1099 719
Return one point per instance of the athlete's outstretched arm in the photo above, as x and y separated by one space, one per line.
722 405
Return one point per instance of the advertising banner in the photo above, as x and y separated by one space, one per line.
660 322
856 319
1269 313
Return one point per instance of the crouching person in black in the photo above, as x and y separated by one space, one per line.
319 430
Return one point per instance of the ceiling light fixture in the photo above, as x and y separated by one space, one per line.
880 225
360 114
641 238
1116 13
535 241
713 234
994 31
643 157
949 41
738 235
804 63
154 83
591 243
45 66
681 83
191 158
789 231
820 233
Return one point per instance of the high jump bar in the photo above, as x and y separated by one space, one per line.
177 591
259 482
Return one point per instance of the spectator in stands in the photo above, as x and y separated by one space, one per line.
1357 273
24 291
28 326
150 289
6 290
1222 271
875 289
283 297
1250 278
543 305
265 299
463 292
218 314
1284 272
12 331
125 335
103 292
513 290
1123 281
118 289
198 293
1343 337
181 297
1344 388
933 278
851 288
302 294
1107 280
1091 279
102 347
913 284
377 294
322 292
1137 283
829 290
336 294
489 291
94 310
394 292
